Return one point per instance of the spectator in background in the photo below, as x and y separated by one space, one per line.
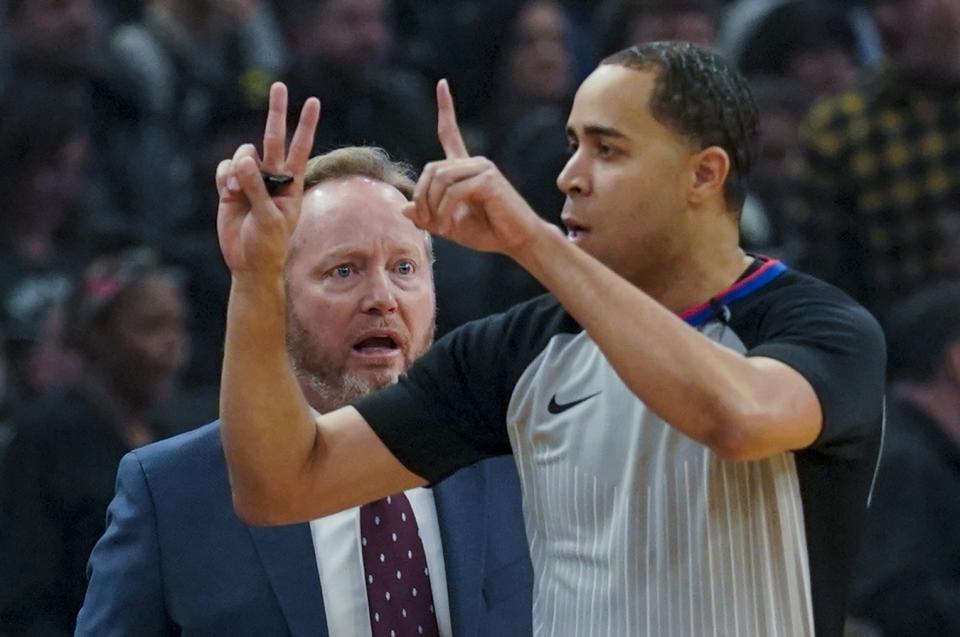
879 189
908 575
807 41
51 35
629 22
182 63
524 131
465 40
62 44
188 66
341 50
45 189
41 359
533 90
43 133
126 318
764 227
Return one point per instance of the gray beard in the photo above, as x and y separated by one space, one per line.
330 386
336 393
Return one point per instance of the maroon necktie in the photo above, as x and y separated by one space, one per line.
395 567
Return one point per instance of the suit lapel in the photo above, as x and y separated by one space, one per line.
462 533
288 558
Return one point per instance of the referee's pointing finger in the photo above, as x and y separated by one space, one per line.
447 128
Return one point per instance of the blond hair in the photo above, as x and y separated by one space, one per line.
365 161
360 161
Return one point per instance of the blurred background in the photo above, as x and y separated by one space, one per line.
114 114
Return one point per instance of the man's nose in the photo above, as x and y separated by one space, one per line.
573 179
380 296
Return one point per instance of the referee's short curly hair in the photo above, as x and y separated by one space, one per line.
701 96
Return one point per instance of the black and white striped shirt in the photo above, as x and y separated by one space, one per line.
635 529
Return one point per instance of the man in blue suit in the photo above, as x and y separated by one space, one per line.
175 559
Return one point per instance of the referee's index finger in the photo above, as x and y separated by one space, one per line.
447 128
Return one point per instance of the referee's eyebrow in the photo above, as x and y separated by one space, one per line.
596 130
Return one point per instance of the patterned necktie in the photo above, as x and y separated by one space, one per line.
395 566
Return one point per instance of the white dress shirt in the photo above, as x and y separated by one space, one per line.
336 544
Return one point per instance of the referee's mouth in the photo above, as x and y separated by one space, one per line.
576 232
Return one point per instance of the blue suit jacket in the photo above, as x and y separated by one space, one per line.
175 559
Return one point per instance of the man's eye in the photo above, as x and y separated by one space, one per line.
405 267
343 271
604 150
572 147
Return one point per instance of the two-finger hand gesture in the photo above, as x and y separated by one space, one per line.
254 226
466 199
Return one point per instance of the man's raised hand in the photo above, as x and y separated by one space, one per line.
254 226
466 199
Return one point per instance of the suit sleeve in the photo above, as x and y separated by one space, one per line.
125 590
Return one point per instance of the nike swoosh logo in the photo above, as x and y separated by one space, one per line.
557 408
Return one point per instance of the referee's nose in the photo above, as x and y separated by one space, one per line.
574 179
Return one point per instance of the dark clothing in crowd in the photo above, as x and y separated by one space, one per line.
879 205
179 82
908 577
389 108
57 480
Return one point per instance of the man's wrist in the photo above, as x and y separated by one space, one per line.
258 284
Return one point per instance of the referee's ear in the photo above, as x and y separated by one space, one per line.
709 169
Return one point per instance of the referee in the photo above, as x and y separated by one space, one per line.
696 429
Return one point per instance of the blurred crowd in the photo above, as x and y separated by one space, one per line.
114 114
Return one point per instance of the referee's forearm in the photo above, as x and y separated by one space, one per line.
267 427
703 389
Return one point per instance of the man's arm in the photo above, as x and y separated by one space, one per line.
125 590
285 466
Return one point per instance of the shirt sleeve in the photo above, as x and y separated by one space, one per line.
449 411
839 348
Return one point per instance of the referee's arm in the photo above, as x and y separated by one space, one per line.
742 407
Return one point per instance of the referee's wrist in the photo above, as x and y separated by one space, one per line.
534 255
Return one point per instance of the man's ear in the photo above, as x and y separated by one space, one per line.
710 168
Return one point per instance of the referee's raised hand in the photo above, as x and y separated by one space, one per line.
466 199
254 224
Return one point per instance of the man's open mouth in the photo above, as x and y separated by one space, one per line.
377 346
